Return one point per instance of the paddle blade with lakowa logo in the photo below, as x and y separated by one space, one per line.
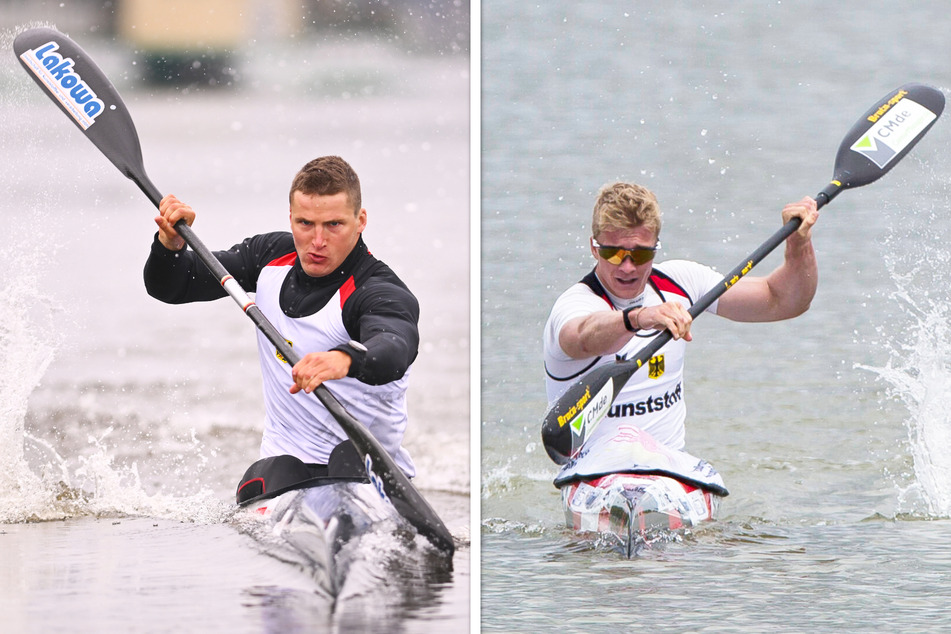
73 81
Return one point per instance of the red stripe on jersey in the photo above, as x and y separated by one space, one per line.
668 286
346 290
284 260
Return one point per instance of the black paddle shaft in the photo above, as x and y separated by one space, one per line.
73 81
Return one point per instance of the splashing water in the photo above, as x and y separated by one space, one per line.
23 360
919 375
31 332
29 338
97 486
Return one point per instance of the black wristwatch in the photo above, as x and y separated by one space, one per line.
626 315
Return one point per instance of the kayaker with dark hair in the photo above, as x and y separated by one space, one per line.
354 321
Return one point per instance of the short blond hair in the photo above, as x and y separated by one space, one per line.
624 206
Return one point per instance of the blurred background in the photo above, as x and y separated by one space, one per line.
203 42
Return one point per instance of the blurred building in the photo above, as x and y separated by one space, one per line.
186 41
199 42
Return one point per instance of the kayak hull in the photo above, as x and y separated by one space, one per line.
627 512
320 528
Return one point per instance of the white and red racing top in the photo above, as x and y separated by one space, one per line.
653 399
363 300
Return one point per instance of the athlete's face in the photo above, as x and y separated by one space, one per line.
625 280
325 231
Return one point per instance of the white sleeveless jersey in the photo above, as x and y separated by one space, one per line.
653 399
298 424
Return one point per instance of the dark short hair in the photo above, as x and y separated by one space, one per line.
326 176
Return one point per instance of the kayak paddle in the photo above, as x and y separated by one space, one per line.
75 83
874 145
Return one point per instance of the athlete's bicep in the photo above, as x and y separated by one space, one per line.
748 300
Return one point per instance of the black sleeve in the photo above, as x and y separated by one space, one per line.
179 277
383 315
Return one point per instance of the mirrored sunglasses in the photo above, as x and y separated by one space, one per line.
616 255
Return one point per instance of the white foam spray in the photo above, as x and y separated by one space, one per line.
24 357
37 482
918 372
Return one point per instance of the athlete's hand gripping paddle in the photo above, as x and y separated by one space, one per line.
874 145
76 84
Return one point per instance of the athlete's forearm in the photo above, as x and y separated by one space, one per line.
385 322
178 277
594 335
794 283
